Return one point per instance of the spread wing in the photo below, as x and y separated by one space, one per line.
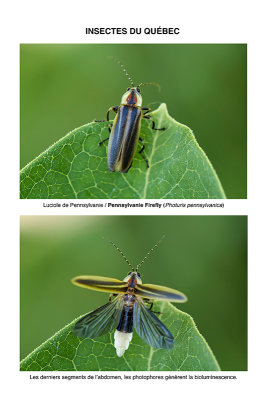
100 321
150 328
100 283
162 293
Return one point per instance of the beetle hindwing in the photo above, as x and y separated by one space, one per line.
150 328
100 321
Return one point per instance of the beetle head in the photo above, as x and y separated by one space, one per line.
133 276
132 97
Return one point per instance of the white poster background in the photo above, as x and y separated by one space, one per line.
65 22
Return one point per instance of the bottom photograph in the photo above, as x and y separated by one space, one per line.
133 293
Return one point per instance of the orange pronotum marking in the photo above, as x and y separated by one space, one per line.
131 98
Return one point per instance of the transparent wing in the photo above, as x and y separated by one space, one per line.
100 283
100 321
162 293
150 328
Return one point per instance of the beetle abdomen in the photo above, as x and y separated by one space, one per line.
126 320
124 138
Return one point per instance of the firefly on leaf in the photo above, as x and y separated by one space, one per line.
127 310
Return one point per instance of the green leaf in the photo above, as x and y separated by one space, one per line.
76 167
66 352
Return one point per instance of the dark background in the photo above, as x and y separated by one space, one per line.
205 257
203 85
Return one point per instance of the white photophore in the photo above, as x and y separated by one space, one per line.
122 341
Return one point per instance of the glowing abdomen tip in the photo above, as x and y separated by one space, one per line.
121 342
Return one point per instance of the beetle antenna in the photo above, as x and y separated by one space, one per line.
124 70
116 247
151 83
150 251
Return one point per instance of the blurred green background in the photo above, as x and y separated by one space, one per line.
203 256
203 85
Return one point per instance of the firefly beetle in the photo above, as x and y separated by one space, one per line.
127 310
125 131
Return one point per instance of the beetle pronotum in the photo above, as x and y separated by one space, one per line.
125 132
128 309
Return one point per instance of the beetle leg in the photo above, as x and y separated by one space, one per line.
151 306
102 141
143 147
115 109
140 152
153 123
143 157
146 109
110 297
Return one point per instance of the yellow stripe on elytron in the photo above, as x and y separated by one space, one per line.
160 293
100 283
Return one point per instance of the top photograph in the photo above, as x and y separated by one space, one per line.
133 121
